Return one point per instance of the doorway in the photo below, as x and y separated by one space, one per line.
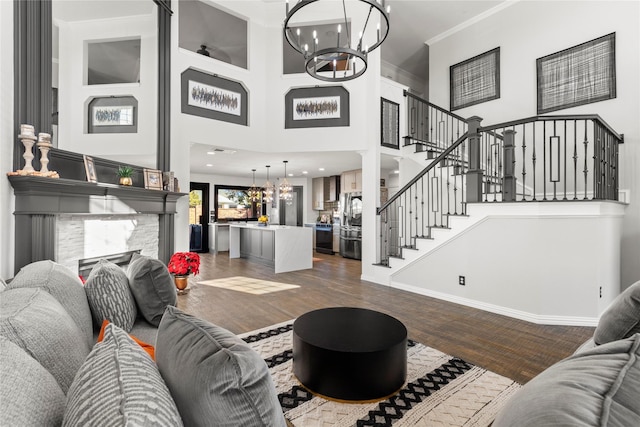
199 217
291 213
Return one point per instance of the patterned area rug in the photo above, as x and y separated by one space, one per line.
248 285
440 390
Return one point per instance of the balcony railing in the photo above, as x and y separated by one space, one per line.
542 158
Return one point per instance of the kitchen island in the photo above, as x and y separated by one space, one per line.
284 247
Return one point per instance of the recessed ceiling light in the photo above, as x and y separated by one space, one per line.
396 171
304 172
320 169
211 152
209 165
289 174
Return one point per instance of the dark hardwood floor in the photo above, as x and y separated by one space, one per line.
510 347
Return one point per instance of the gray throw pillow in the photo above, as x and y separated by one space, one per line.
36 322
63 285
622 318
215 378
29 394
152 287
119 385
598 387
109 296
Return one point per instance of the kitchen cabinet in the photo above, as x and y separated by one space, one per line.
351 181
325 189
319 195
282 247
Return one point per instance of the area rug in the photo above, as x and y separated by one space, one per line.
248 285
440 390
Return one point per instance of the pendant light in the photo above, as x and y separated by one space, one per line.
268 189
254 192
286 191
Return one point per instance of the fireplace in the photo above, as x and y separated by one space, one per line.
66 220
79 237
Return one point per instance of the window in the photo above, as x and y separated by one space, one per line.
112 62
212 32
233 204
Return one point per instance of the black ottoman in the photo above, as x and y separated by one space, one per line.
350 353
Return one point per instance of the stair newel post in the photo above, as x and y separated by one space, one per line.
509 180
475 173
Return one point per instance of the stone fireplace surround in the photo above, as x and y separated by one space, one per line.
49 211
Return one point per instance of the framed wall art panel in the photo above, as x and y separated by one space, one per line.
319 106
214 97
579 75
113 114
390 124
475 80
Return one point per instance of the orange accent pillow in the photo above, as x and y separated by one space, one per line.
151 351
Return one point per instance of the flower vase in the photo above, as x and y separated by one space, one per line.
181 282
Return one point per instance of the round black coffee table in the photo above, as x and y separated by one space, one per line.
350 353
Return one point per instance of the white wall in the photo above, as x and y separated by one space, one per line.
267 87
74 95
514 264
7 139
528 30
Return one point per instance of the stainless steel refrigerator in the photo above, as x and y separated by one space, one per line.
351 225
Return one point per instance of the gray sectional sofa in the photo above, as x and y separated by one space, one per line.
599 385
52 371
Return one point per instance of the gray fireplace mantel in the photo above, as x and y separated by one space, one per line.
51 196
39 200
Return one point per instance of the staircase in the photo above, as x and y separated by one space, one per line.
537 159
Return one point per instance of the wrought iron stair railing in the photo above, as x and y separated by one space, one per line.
541 158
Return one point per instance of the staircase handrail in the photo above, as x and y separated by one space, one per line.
594 117
430 166
416 97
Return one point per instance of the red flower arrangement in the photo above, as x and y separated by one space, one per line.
184 263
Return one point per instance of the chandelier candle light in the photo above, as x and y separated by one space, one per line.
328 54
286 191
254 192
268 189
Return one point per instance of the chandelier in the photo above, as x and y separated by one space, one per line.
286 191
268 189
254 192
334 36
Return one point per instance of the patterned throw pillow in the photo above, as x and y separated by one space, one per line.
109 295
152 287
215 378
119 384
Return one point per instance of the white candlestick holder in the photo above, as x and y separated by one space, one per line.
28 141
44 155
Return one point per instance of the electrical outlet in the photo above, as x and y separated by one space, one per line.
461 280
600 291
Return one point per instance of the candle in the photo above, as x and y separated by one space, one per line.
334 68
287 5
339 29
378 31
298 33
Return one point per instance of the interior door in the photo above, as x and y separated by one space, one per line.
199 217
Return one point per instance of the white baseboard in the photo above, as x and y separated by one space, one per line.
505 311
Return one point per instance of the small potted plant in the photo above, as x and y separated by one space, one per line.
125 172
263 220
181 265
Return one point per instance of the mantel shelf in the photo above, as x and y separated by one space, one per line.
40 195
